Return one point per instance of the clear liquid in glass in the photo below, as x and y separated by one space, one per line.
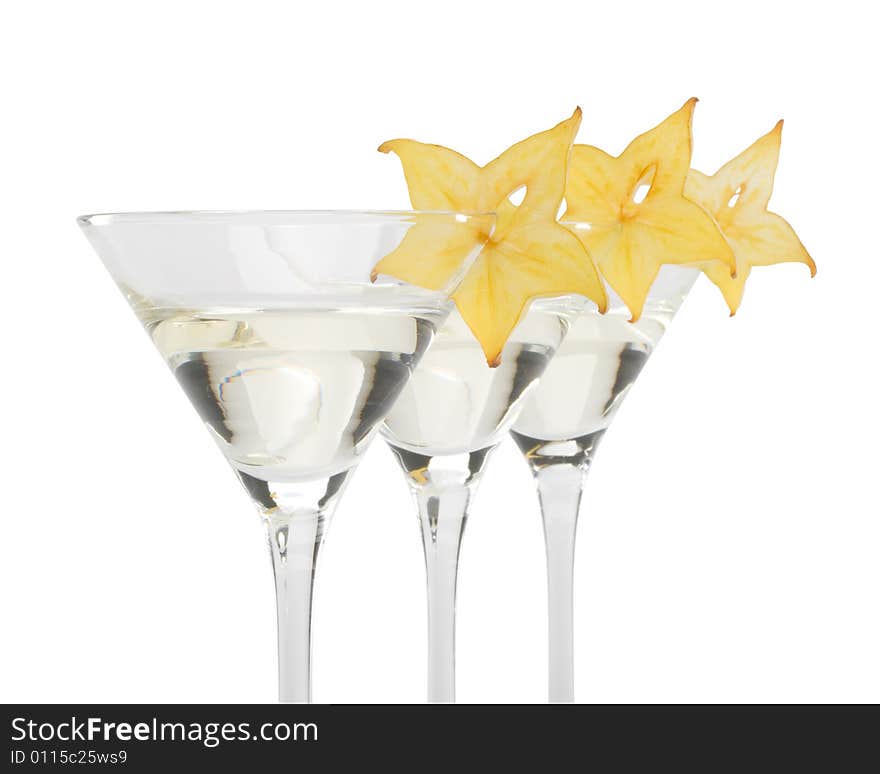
292 394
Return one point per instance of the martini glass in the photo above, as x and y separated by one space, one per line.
288 352
562 423
443 428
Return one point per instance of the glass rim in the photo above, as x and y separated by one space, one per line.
278 217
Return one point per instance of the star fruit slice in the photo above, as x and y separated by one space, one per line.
527 255
737 196
629 235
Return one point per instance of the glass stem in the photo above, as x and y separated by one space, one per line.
294 540
442 516
296 517
444 486
559 491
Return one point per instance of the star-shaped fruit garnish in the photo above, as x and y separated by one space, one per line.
527 254
737 196
631 214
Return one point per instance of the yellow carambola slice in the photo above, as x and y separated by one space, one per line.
737 196
528 254
630 236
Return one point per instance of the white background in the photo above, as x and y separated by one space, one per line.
728 546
